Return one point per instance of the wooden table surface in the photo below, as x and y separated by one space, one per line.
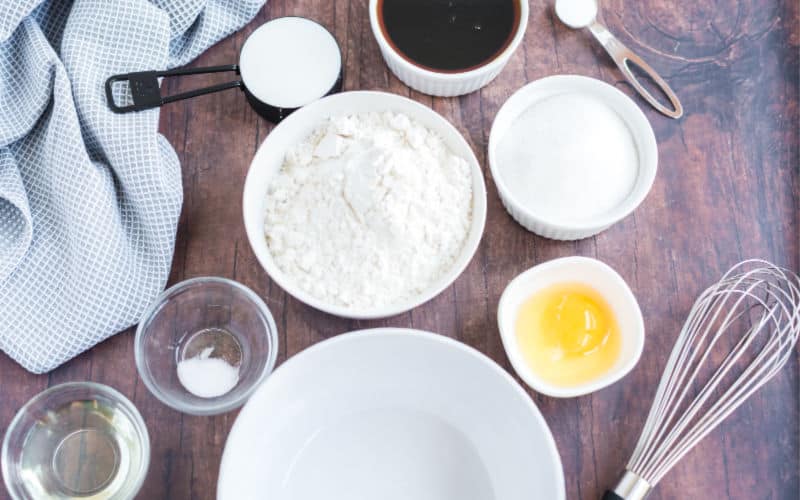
727 189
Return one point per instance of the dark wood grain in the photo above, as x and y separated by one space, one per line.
728 188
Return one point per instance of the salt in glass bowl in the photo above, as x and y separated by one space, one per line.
215 316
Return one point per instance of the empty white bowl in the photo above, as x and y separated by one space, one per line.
390 414
295 129
441 83
590 272
639 127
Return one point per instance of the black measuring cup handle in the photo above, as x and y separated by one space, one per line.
146 93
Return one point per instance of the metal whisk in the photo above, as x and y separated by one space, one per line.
738 335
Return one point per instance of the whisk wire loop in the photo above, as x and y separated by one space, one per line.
739 333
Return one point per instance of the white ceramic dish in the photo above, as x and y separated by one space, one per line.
390 414
294 129
445 84
634 118
591 272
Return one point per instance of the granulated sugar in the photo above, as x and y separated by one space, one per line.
369 210
569 159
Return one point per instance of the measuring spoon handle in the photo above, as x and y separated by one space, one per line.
623 56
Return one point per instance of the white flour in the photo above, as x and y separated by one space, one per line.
369 210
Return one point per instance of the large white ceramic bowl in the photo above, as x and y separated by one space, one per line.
296 128
390 414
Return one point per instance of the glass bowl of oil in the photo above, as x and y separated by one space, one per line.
76 440
205 345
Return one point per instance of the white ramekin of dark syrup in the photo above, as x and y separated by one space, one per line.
448 47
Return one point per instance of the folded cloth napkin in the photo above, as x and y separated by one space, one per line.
89 200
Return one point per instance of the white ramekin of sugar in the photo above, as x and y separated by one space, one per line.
571 156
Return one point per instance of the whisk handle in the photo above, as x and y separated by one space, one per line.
631 486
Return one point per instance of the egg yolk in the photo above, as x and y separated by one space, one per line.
568 334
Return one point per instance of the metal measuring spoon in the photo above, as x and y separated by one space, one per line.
579 14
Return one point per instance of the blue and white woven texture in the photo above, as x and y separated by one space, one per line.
89 200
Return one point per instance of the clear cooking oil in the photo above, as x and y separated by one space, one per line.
85 449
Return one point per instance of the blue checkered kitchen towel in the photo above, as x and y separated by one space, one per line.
89 200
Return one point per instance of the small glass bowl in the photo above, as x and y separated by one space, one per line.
213 317
76 440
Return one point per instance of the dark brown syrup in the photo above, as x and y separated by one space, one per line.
449 36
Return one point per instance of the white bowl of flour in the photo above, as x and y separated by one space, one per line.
364 204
